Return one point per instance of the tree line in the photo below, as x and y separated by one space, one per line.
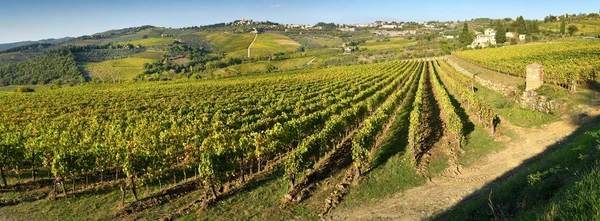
55 65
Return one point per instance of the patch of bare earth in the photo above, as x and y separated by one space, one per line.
286 42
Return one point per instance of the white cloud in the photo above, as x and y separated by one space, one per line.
275 6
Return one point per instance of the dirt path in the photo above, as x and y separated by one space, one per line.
255 37
444 192
311 61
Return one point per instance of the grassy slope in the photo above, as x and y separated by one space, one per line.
492 76
117 70
586 27
227 43
393 43
155 55
262 66
561 185
267 44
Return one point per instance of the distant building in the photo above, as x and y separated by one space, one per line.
522 37
254 31
510 35
448 36
346 29
389 26
490 32
483 41
395 33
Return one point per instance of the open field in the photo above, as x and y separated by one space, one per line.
279 65
391 43
117 70
225 42
155 55
267 44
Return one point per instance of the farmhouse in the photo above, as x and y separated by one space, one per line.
490 32
510 35
483 41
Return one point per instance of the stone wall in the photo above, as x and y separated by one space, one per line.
539 103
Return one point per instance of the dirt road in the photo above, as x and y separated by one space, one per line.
445 191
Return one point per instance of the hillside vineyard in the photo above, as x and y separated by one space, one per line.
215 126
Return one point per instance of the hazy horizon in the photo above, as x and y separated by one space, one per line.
32 20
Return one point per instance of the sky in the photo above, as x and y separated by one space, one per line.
22 20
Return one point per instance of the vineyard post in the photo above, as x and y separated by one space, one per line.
123 193
64 189
3 176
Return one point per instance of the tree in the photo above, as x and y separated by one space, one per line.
500 33
563 26
572 29
520 25
465 37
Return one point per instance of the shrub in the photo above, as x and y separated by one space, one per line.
24 90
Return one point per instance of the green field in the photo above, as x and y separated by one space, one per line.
117 70
393 43
267 44
226 42
320 41
156 55
280 65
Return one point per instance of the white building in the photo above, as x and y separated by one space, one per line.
389 26
483 41
522 37
346 29
510 35
490 32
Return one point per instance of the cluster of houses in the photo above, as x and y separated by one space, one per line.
488 38
243 22
395 33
